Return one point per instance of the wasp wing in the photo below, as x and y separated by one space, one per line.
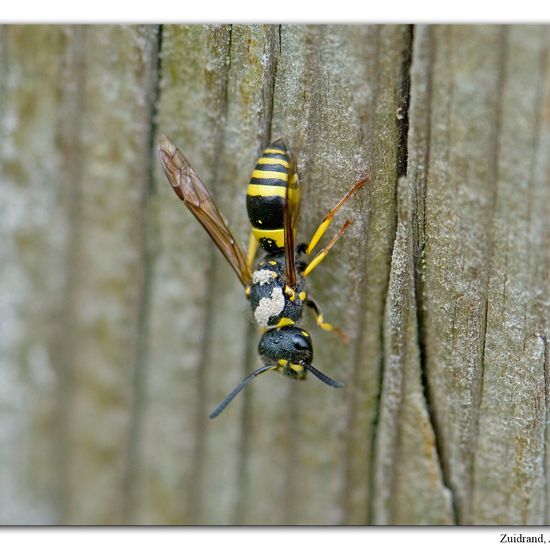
291 214
192 191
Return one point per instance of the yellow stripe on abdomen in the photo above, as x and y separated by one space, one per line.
271 160
269 175
261 190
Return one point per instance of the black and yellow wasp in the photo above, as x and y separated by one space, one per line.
276 288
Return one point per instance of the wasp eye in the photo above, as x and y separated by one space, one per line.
300 342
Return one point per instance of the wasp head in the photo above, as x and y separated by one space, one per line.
290 348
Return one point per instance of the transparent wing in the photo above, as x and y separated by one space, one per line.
192 191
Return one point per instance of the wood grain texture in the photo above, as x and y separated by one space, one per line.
484 329
122 326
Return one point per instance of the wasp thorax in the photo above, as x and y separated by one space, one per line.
267 296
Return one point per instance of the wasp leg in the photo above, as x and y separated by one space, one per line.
321 256
323 226
323 324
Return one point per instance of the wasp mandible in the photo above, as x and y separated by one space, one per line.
276 288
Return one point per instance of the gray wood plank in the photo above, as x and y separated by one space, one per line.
122 326
108 271
34 229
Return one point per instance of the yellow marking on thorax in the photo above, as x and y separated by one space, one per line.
277 235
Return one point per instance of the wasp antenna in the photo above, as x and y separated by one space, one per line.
218 410
323 377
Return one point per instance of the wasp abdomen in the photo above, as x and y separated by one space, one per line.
265 199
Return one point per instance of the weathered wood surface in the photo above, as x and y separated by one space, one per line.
121 326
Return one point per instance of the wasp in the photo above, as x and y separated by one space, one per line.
276 288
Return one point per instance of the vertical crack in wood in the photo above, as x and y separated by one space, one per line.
401 167
419 228
403 109
148 253
402 204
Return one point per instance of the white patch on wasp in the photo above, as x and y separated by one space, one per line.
263 276
268 307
